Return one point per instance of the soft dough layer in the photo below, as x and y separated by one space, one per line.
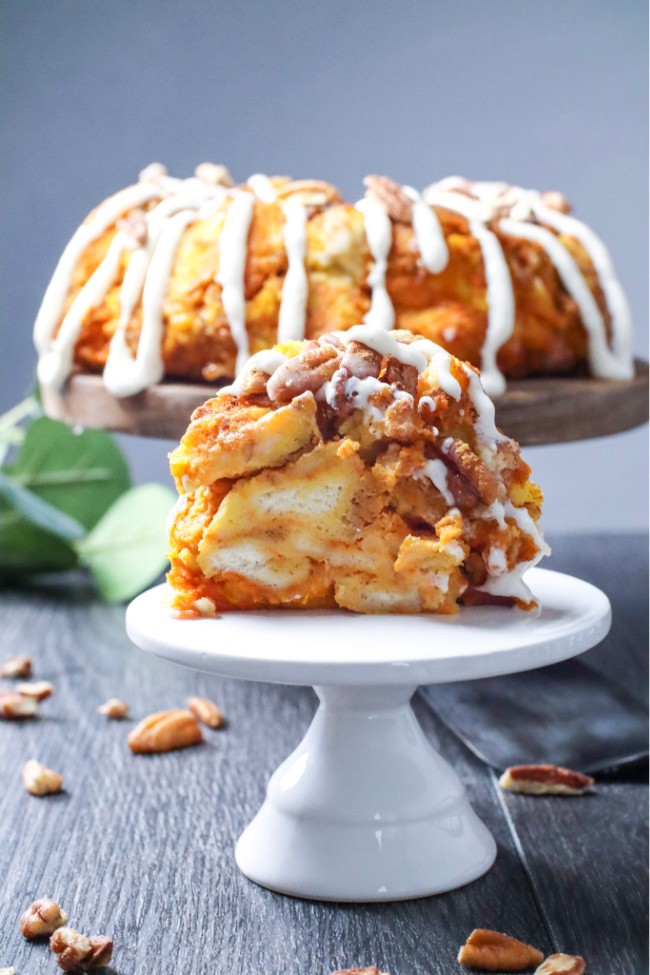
365 472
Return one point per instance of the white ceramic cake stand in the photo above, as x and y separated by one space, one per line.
365 809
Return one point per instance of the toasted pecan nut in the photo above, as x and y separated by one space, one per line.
15 707
16 668
562 965
165 731
306 372
71 948
539 780
311 192
206 711
391 195
467 463
330 339
42 918
37 689
402 376
40 780
494 952
468 479
114 708
360 362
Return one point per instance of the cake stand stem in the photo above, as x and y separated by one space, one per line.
365 809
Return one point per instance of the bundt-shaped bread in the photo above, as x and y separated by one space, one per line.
187 278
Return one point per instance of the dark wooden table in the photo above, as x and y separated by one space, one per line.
141 847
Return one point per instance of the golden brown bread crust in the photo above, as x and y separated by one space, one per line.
353 492
449 307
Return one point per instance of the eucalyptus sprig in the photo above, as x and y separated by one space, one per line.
66 501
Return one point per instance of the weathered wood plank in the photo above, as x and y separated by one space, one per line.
587 860
141 847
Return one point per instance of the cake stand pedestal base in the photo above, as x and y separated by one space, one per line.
365 809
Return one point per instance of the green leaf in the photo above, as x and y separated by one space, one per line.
27 549
125 551
54 462
40 512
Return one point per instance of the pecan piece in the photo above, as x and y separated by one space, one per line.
391 195
494 952
206 711
40 780
37 689
114 708
42 918
539 780
402 376
331 339
310 192
164 731
15 707
468 479
16 667
71 948
305 372
562 965
358 361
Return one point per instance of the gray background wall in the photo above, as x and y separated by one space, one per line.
544 93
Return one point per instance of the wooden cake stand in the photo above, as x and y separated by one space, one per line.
531 411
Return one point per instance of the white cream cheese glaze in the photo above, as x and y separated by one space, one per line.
125 375
291 320
498 282
232 265
262 187
428 233
98 223
436 471
267 361
483 205
615 297
379 234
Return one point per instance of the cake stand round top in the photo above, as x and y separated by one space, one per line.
334 647
550 409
